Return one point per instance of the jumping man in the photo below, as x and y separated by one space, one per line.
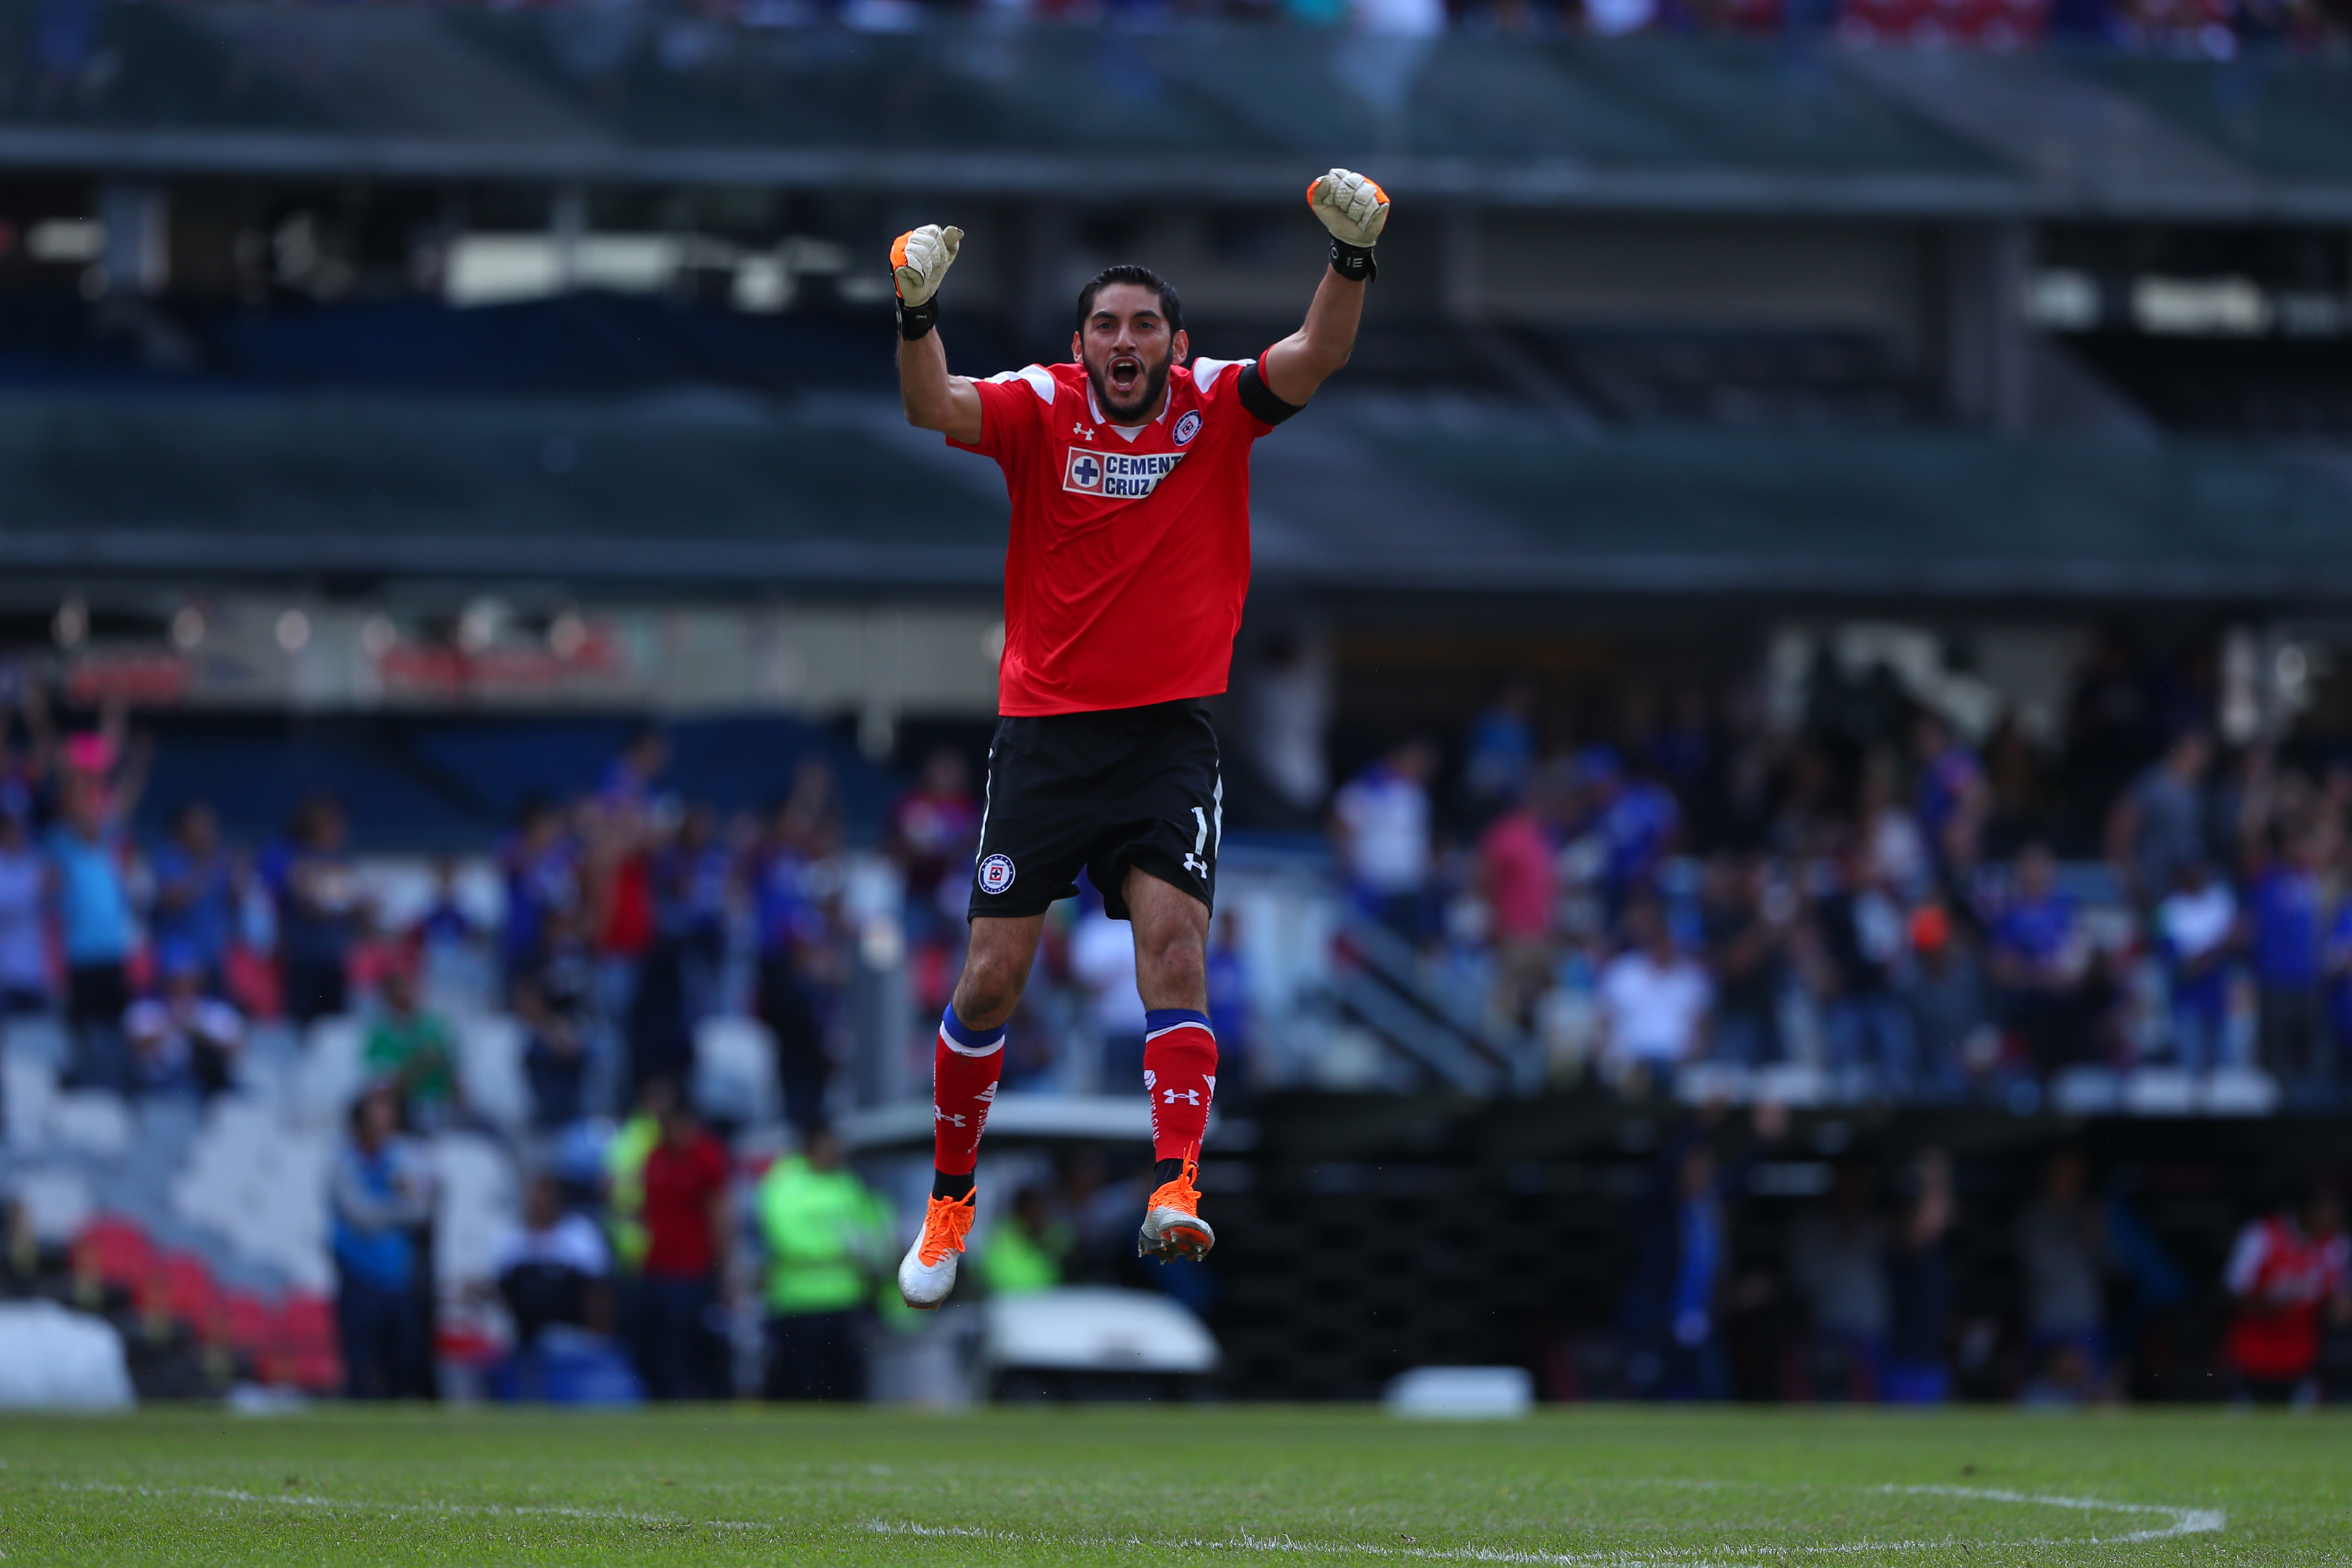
1129 471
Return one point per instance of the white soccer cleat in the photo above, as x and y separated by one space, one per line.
1172 1226
927 1272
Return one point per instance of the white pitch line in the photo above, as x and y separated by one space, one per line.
452 1509
2184 1520
2180 1522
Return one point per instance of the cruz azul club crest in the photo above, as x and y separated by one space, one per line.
1116 476
996 873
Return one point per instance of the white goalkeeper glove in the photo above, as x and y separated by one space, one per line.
919 259
1355 210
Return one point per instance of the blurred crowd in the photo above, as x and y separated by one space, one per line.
1865 893
625 918
2192 29
1858 1293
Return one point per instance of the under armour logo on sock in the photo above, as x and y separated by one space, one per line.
1190 1096
938 1115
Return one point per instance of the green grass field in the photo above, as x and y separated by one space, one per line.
1608 1488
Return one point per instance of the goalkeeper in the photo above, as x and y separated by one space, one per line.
1129 472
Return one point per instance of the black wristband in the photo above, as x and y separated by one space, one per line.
916 321
1354 262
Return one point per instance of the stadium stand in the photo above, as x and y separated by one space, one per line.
406 404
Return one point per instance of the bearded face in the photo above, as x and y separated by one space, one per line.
1127 383
1128 351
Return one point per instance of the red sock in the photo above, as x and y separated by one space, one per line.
964 1064
1180 1078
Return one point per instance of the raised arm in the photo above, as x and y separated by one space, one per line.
1355 210
933 399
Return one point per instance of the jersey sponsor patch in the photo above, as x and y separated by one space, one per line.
1117 475
1188 427
996 873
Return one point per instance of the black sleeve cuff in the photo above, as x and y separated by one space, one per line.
1260 400
916 321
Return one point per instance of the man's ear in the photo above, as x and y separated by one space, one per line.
1077 354
1180 347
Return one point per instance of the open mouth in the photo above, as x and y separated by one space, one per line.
1126 375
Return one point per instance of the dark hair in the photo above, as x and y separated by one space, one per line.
1172 308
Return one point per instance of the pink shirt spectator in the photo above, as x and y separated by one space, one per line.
1516 857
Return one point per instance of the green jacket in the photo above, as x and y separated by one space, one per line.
1015 1262
417 1051
826 1233
624 1171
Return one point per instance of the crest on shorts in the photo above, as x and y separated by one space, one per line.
1187 426
996 873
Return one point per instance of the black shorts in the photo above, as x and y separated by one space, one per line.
1107 791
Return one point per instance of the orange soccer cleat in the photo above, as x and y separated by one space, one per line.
1172 1226
927 1272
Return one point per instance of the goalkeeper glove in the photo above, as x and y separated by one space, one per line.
1355 210
919 258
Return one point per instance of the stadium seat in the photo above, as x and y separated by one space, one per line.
489 1064
1709 1083
303 1352
1794 1084
2240 1091
2085 1091
735 1070
114 1251
38 1036
2160 1092
28 1082
330 1075
91 1121
181 1286
480 1198
58 1204
304 1323
248 1322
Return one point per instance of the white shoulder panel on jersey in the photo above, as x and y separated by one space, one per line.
1206 370
1040 380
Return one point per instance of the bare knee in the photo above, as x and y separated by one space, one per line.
990 987
1172 965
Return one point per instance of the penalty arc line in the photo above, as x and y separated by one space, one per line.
2180 1522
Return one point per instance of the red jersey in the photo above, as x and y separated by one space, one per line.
2283 1279
678 1186
1130 553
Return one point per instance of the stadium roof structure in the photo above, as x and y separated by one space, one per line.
1219 110
738 494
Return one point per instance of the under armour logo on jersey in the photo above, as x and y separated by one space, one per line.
1082 429
1190 1096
